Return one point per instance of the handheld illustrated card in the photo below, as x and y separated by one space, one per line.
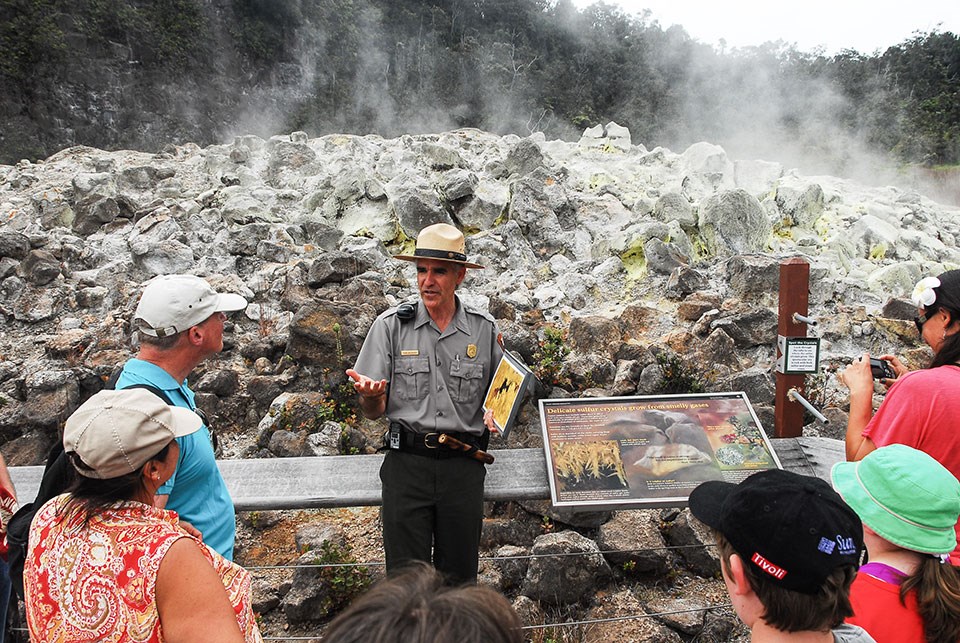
506 391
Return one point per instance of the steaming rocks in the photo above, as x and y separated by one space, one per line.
637 255
572 235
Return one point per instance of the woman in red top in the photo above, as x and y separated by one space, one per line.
922 407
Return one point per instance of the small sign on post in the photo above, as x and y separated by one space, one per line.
798 355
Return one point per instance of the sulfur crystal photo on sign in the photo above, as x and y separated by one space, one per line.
506 391
648 451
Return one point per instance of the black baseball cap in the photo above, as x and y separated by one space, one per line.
793 529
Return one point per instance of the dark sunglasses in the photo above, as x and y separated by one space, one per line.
920 321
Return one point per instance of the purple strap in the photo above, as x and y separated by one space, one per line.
884 572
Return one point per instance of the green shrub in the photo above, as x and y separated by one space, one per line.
342 581
549 359
677 377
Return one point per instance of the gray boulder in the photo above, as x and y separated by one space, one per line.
695 544
802 204
335 267
594 334
663 257
673 206
524 157
326 441
753 275
555 577
415 203
95 201
732 221
13 244
40 267
634 542
613 612
166 257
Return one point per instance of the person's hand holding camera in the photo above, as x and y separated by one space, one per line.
899 370
858 376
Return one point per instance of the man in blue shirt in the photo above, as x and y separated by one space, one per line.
179 320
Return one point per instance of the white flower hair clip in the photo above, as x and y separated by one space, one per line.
923 294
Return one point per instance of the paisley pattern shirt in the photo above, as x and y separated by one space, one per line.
8 507
97 582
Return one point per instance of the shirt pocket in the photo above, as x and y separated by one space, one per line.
411 378
466 379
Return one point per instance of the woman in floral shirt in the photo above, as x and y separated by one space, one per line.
104 564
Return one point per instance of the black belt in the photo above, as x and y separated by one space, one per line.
428 445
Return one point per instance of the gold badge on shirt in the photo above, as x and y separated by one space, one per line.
471 350
409 353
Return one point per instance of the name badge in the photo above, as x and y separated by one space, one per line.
410 353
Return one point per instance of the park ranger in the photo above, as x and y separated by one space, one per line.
427 366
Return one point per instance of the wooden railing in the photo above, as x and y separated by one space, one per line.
353 480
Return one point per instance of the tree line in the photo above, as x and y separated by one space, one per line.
136 73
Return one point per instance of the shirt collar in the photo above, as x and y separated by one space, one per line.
459 320
157 376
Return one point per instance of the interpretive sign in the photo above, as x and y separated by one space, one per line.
506 391
649 451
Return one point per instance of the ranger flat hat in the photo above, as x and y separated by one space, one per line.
442 242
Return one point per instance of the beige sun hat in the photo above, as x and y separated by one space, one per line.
443 242
117 432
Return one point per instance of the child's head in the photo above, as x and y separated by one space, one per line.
904 496
798 542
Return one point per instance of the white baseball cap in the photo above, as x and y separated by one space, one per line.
117 432
171 304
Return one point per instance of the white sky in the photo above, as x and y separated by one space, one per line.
834 25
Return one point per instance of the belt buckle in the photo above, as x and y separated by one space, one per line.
426 440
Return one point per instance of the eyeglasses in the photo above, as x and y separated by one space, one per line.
920 321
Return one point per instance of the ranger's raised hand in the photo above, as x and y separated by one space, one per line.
373 394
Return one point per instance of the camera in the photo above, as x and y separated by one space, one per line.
881 369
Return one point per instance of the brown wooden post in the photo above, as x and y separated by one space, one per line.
794 297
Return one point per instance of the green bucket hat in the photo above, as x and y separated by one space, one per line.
903 495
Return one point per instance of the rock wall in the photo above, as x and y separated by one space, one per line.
634 254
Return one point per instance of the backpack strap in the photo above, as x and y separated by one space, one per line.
214 439
153 389
58 474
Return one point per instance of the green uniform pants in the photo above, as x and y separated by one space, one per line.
433 506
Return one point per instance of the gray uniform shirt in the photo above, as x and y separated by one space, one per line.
436 381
